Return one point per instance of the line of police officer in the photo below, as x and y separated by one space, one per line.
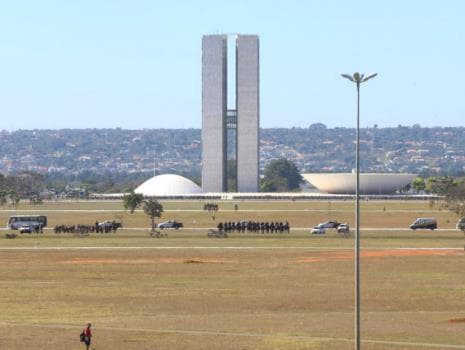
254 226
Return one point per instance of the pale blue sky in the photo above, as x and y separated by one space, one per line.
136 64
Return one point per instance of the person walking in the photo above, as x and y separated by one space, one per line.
87 336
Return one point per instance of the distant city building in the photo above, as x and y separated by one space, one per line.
217 118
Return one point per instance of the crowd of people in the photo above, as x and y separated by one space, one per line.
103 227
254 226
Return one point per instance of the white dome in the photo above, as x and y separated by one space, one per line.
369 183
168 184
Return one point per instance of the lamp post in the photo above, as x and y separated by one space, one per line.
357 78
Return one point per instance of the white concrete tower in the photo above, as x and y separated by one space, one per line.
217 118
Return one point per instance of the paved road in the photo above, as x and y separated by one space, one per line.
220 248
371 229
16 211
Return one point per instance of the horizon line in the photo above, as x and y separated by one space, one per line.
314 125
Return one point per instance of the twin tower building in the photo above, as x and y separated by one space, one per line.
230 133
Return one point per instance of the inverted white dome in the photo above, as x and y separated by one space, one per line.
167 184
369 183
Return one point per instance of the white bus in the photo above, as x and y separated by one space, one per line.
34 221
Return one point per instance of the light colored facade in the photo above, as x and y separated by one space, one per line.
168 184
247 101
214 111
214 104
369 183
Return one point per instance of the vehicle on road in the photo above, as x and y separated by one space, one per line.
170 224
214 233
17 221
25 229
329 224
343 228
112 224
317 230
424 223
461 224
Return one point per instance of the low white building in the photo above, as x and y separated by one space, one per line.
168 185
370 183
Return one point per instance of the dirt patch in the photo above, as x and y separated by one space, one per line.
141 261
192 261
349 255
457 320
205 261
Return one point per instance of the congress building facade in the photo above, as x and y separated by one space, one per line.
224 125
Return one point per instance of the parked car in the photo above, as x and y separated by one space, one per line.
170 224
461 224
329 224
25 229
317 230
424 223
343 228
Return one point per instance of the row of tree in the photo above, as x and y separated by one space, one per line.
440 185
452 188
12 187
280 175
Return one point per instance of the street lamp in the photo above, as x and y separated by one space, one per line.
357 78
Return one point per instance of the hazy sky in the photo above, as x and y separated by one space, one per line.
137 64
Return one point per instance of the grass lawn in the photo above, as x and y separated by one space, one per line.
249 291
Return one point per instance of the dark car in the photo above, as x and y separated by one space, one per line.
112 224
170 224
424 223
329 224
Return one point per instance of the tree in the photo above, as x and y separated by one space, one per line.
281 175
440 185
455 199
273 185
153 209
3 196
26 183
317 126
418 184
14 198
132 201
35 200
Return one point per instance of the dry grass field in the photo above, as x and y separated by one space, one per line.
249 291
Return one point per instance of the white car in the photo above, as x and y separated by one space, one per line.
461 224
25 229
318 230
343 228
